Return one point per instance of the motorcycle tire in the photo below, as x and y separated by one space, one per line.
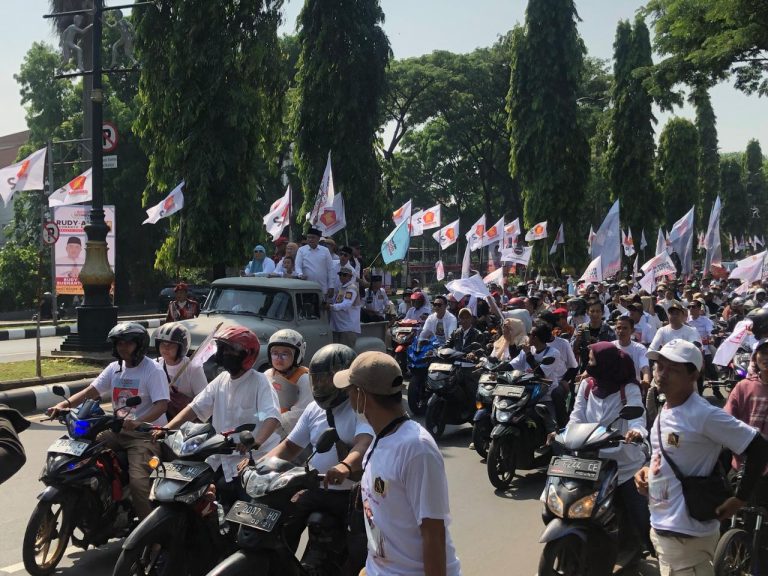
733 554
433 421
142 560
500 465
563 557
42 529
417 400
480 440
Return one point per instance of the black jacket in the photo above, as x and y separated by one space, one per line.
462 344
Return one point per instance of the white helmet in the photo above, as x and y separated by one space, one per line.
176 333
292 339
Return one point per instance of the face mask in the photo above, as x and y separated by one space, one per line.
230 363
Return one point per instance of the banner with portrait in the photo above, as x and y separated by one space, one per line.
70 247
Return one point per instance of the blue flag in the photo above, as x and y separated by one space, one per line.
395 246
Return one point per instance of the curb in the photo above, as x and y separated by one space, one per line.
37 399
48 331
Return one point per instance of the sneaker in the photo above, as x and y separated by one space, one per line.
471 445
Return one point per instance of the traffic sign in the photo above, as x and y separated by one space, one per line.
50 232
108 162
109 137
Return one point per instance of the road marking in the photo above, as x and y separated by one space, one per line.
19 566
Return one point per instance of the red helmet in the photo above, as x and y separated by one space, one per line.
417 297
242 340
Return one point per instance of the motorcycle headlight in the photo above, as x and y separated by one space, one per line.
256 485
191 497
583 507
503 416
191 445
554 503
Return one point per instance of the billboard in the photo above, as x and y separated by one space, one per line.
70 247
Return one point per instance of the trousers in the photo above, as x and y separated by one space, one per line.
685 556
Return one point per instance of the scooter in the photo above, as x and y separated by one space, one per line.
519 429
450 402
583 535
271 485
403 333
182 534
420 354
86 488
481 423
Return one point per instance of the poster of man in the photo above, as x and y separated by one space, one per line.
70 247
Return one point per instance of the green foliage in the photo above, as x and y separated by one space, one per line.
19 266
709 158
735 209
677 168
755 189
550 152
209 112
631 151
340 85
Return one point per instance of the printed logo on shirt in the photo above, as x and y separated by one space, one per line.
339 298
349 295
126 388
673 439
380 486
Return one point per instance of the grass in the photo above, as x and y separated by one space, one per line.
11 371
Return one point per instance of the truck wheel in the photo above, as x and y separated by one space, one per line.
501 463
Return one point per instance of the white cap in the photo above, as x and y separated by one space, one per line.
681 351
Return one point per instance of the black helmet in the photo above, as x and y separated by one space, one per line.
175 333
324 364
132 332
759 317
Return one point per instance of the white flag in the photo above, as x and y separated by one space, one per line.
643 243
466 262
494 234
594 272
712 238
511 232
517 255
591 237
750 269
475 234
658 266
279 215
79 189
25 175
628 243
559 239
447 235
681 239
661 243
333 218
430 218
402 214
439 270
324 195
538 232
170 205
607 243
495 277
415 226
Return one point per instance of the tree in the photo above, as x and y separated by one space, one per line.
550 153
735 210
340 89
210 111
631 149
755 189
709 158
677 168
706 41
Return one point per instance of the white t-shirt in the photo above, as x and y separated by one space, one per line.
404 482
643 331
552 371
639 355
313 423
440 327
565 350
147 380
191 382
230 403
704 326
667 334
693 434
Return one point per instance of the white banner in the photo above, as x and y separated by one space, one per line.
538 232
517 255
25 175
430 218
402 214
279 215
333 218
475 234
594 272
169 205
607 243
494 234
324 195
79 189
447 235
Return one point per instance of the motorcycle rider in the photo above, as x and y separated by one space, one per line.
184 380
440 323
330 408
132 374
418 309
592 332
286 350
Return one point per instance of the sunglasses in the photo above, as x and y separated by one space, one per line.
280 355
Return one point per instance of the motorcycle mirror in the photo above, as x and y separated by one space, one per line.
59 391
631 412
547 361
245 428
327 441
133 401
247 439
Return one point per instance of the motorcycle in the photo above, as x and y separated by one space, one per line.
584 527
481 423
519 429
182 534
729 376
450 402
420 354
403 333
271 485
86 488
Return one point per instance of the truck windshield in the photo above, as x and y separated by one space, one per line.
273 304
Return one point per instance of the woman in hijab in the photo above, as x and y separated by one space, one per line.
609 386
508 345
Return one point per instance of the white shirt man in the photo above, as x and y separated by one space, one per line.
345 310
702 324
440 323
316 263
675 328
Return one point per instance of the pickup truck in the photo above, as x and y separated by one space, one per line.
266 305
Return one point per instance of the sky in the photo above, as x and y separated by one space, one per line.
414 27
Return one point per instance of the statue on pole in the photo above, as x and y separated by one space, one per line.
69 45
126 39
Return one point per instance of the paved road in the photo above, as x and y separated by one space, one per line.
14 350
494 533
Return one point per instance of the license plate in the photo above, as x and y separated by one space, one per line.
508 390
439 367
254 515
179 471
67 446
569 467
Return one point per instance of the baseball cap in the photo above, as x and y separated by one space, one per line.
259 248
560 312
676 305
681 351
374 372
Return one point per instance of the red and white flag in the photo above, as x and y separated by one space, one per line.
447 235
538 232
333 218
495 277
511 232
559 239
475 234
494 234
415 226
402 214
430 218
439 270
79 189
25 175
591 236
517 255
628 243
593 273
279 215
170 205
324 195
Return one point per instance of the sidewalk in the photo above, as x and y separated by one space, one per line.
47 331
